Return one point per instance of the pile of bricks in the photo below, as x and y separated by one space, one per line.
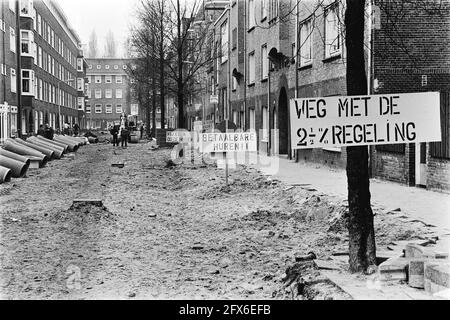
421 268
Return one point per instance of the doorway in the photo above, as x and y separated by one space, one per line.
283 123
421 164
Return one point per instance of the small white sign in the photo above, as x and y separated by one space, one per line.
134 109
228 142
178 136
198 126
214 99
365 120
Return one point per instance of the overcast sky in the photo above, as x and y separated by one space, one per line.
101 15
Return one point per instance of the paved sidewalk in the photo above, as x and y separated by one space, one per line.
428 206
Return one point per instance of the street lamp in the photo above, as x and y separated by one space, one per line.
59 103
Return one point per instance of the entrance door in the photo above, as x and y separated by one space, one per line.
283 122
421 164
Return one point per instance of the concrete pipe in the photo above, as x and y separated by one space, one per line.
60 144
49 153
15 156
57 149
21 149
72 139
5 174
72 146
18 168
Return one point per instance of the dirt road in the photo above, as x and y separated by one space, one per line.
162 233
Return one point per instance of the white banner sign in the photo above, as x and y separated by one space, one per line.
228 142
178 136
365 120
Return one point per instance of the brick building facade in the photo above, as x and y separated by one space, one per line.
108 92
411 54
50 53
263 65
9 98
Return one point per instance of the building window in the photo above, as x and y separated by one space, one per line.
234 84
251 68
264 63
265 124
80 64
332 39
90 67
27 82
108 79
306 42
224 41
99 67
108 108
80 84
118 108
116 67
252 119
234 39
107 67
98 108
98 93
88 108
98 79
263 9
251 14
12 5
40 90
118 79
273 10
119 93
26 8
13 80
12 39
124 67
108 93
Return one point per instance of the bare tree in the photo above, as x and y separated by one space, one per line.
360 223
93 45
110 45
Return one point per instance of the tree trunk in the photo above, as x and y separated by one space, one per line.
360 224
180 87
180 101
161 67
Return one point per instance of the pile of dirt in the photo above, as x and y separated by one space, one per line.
81 213
303 281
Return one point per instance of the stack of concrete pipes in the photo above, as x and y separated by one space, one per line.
17 155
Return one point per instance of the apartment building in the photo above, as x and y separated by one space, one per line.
270 51
51 67
9 98
109 93
412 54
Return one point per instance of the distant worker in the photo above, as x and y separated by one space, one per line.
76 129
48 132
66 130
41 131
114 132
142 130
124 136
